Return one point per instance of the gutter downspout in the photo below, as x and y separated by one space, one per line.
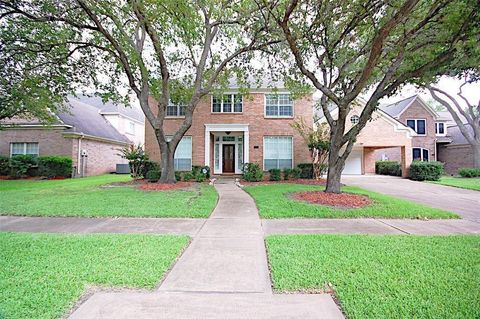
79 155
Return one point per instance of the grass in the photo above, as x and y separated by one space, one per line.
460 182
86 197
383 276
42 275
273 202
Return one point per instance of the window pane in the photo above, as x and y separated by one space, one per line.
271 105
228 138
417 154
32 148
284 163
425 155
272 110
278 152
270 163
411 124
183 164
227 103
270 148
18 148
184 148
238 105
240 156
285 110
441 128
181 110
171 110
217 157
217 104
421 126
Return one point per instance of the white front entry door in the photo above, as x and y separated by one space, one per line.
353 164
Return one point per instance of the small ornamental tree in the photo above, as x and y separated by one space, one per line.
318 142
136 158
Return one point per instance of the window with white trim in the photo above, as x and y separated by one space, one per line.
419 126
278 105
227 103
175 110
440 128
183 154
420 154
354 119
24 149
277 152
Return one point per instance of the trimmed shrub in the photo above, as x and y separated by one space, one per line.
153 176
178 176
275 174
200 178
252 172
306 170
203 171
4 165
188 176
55 166
147 166
287 173
21 165
425 171
392 168
296 172
469 172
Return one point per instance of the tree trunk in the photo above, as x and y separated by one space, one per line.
335 168
167 165
476 155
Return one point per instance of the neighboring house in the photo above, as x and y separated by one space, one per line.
430 126
234 129
81 133
458 153
382 132
128 120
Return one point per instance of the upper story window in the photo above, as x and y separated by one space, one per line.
24 149
175 110
131 127
278 105
354 119
440 128
419 126
227 103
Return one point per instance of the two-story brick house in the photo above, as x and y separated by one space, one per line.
234 129
430 128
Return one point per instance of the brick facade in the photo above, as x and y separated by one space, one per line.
253 115
455 157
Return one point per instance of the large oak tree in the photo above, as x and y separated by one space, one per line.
347 48
176 51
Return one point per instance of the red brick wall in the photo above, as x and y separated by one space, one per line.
253 114
50 141
455 157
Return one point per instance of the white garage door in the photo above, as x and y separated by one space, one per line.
353 164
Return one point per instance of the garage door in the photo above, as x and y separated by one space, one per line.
353 164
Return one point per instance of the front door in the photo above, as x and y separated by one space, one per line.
228 158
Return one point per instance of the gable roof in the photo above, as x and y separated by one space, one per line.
397 108
85 119
456 135
110 107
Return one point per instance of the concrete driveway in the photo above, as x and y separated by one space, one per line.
464 202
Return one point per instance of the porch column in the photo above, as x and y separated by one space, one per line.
407 157
246 146
207 146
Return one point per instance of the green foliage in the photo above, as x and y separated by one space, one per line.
88 197
43 275
275 174
55 166
153 175
273 201
425 171
460 182
469 172
21 165
136 158
392 168
150 166
203 171
306 170
4 165
200 178
252 172
188 176
291 173
382 276
178 176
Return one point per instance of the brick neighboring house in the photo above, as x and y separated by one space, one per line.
382 132
231 130
81 133
430 126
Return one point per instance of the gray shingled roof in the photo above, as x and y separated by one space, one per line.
86 119
456 135
396 108
130 111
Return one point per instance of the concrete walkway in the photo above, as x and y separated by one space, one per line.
223 274
462 201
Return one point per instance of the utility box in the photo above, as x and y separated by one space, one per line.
122 169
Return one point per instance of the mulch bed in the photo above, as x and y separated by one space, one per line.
343 200
164 187
290 181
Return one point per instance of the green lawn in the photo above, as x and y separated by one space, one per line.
89 197
461 182
383 276
273 202
42 275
